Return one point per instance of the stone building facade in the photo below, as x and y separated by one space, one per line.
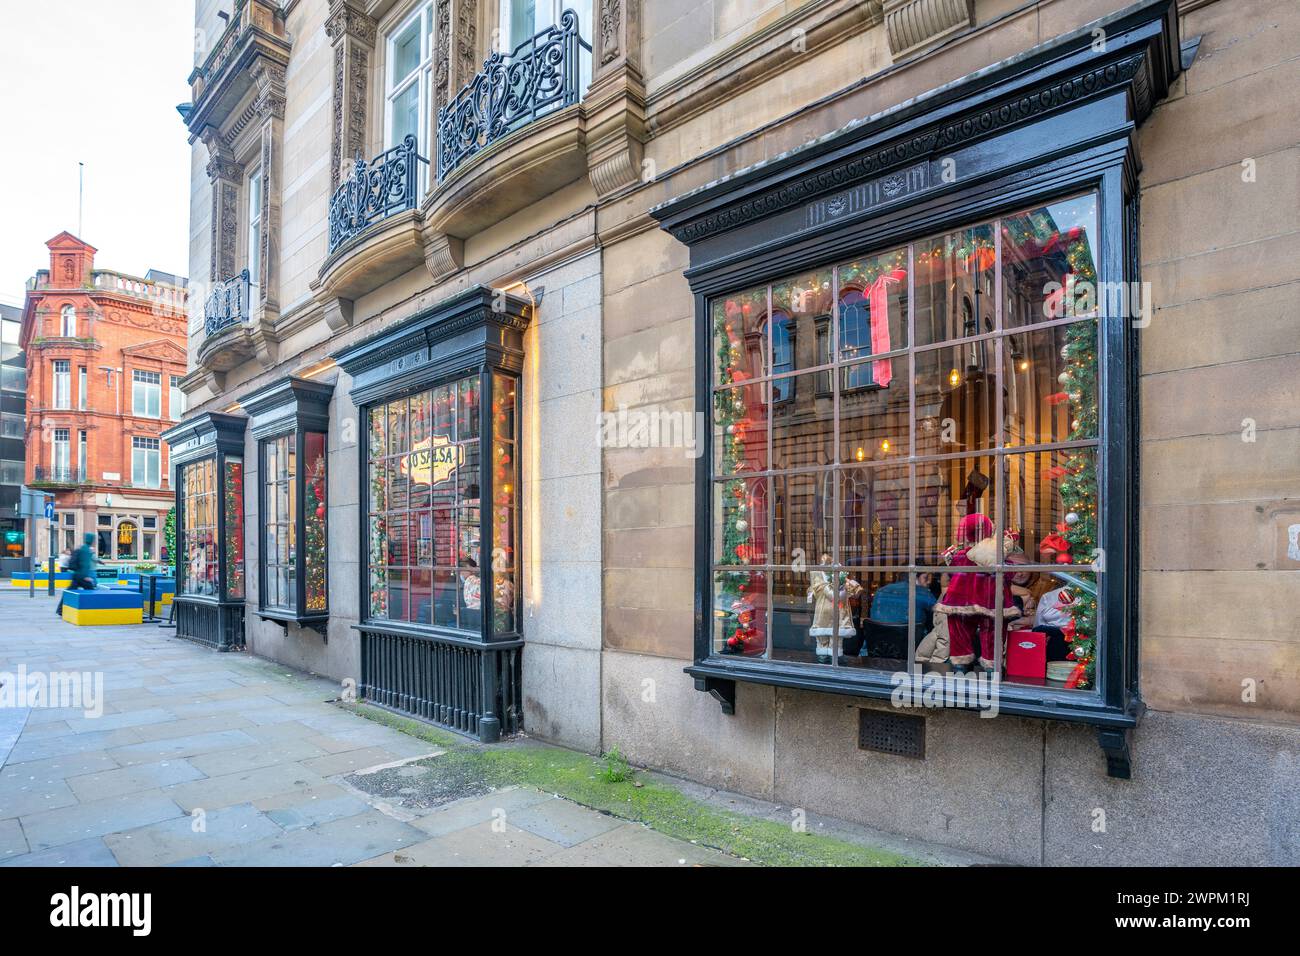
105 357
727 213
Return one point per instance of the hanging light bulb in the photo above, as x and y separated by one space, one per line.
954 378
884 445
860 454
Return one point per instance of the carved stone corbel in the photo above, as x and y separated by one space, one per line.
338 314
352 35
615 102
444 255
911 25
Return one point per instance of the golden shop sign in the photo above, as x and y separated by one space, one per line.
433 460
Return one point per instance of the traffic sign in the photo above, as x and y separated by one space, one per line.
49 511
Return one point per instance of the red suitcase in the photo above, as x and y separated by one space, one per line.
1027 654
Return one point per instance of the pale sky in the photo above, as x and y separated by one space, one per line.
95 81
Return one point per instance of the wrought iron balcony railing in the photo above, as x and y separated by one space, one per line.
386 185
229 302
512 90
59 474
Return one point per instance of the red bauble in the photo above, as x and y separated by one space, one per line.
320 511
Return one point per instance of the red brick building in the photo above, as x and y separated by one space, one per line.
105 355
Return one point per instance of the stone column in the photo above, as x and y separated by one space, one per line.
269 107
615 102
352 34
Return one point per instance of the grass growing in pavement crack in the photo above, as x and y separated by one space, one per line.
468 768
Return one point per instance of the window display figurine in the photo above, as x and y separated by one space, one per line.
971 598
829 602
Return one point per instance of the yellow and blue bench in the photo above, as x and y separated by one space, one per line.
22 579
118 605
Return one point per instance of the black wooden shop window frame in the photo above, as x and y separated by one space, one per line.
478 332
1056 121
214 620
290 408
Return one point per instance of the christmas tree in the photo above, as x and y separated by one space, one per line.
314 540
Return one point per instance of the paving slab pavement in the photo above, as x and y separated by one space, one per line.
192 757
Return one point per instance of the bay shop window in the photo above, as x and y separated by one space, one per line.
290 423
207 455
916 345
439 396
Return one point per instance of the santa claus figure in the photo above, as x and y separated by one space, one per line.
832 618
971 598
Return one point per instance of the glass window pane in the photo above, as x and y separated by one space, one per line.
1051 506
739 332
954 285
803 509
874 515
740 429
1049 263
406 114
797 305
1051 391
873 306
948 492
406 52
880 617
956 399
874 422
811 612
740 521
803 427
314 515
740 613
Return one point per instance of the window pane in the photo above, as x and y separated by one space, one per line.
1051 392
740 521
314 514
1051 642
954 285
797 304
811 613
406 113
1049 262
803 509
739 330
739 429
956 399
874 515
803 428
740 613
1052 505
947 493
406 51
874 421
233 492
880 618
873 306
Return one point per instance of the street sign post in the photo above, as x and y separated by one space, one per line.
32 504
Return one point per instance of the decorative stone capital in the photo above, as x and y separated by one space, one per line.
911 25
269 78
221 162
347 18
616 37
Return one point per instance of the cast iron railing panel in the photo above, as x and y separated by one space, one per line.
376 190
452 684
219 626
512 90
228 304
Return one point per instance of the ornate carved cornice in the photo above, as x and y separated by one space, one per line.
270 81
898 152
